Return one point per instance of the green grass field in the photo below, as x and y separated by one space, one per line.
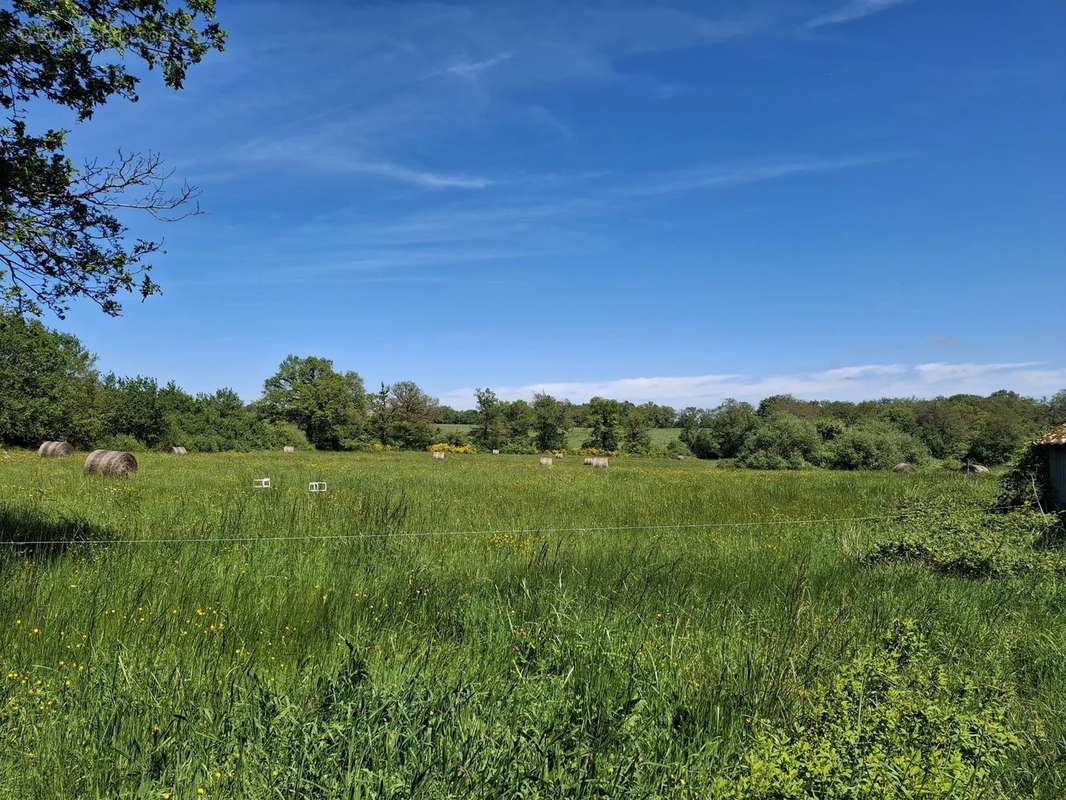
659 436
478 627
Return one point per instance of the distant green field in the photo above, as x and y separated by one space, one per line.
659 436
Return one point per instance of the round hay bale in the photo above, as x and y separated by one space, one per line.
55 449
113 463
288 449
904 468
495 452
588 462
179 451
439 456
545 461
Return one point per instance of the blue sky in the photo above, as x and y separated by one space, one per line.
668 201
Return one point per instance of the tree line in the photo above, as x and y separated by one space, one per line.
50 388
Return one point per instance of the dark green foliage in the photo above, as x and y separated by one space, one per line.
517 427
873 445
830 428
894 724
781 442
1057 408
1027 483
636 439
721 432
605 420
955 535
997 439
330 407
59 226
489 432
402 416
48 385
778 404
550 423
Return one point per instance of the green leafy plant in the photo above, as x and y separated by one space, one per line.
894 723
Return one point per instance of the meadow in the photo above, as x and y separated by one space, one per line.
477 627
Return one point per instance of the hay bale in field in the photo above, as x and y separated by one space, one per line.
904 468
113 463
178 451
588 462
975 469
680 458
54 449
438 456
288 449
495 452
545 461
599 463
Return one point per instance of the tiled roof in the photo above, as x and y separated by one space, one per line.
1057 436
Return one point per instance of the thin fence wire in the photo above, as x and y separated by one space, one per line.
899 515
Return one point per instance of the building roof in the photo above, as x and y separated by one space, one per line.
1057 436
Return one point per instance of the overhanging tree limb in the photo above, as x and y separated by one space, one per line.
60 236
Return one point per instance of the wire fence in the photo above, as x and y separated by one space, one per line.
248 539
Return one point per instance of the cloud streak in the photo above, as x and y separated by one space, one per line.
855 10
863 382
469 69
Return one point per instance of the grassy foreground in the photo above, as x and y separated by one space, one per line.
514 652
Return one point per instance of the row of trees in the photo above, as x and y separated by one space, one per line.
784 431
545 424
50 389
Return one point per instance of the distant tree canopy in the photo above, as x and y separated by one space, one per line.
402 416
330 407
60 236
48 385
550 423
50 389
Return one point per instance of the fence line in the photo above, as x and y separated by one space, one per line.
899 515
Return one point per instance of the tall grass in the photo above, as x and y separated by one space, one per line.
514 650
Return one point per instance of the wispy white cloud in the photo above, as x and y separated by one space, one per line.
741 174
854 10
940 372
318 153
863 382
468 69
416 177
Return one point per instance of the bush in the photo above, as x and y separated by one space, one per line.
782 442
676 447
1028 481
447 447
893 724
454 437
874 445
959 537
121 441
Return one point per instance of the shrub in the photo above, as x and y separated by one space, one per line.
454 437
894 723
1028 482
447 447
121 441
782 442
874 445
958 537
675 447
